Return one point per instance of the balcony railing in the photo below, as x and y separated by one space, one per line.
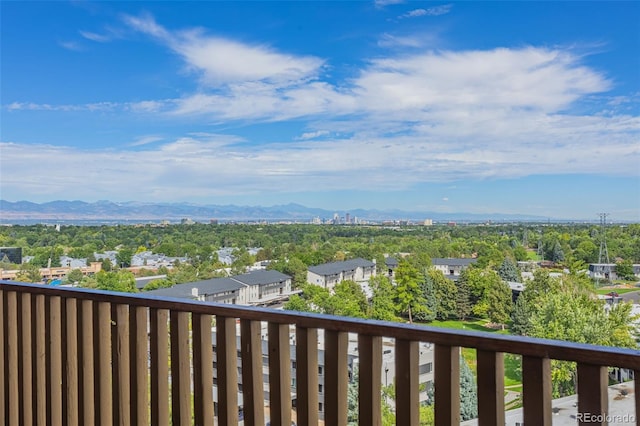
82 357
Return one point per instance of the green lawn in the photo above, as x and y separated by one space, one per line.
472 325
617 290
512 363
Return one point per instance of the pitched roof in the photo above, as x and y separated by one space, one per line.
261 277
220 285
334 268
207 287
450 261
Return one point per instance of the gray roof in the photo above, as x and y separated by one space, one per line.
391 262
207 287
334 268
220 285
261 277
450 261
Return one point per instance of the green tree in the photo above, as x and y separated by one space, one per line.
508 271
463 300
521 316
499 302
121 280
428 311
123 257
624 270
348 300
383 296
409 296
446 294
75 276
468 393
297 303
28 273
557 253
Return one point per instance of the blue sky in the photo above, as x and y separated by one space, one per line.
480 107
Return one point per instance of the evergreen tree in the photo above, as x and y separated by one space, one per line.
446 294
521 316
409 296
428 313
557 254
463 300
499 303
508 271
382 303
352 398
468 393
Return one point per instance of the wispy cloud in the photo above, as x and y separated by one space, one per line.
383 3
71 45
100 38
146 140
222 61
431 11
390 40
313 135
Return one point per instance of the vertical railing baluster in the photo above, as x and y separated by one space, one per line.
139 382
40 343
279 374
4 383
180 369
336 377
307 376
12 349
202 370
252 381
87 382
490 368
447 384
636 385
227 371
54 360
121 364
593 393
26 397
71 361
370 380
536 391
159 349
407 383
102 334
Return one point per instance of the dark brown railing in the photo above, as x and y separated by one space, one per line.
83 357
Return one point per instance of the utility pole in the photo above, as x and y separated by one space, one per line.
603 255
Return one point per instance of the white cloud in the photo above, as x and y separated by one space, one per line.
71 45
222 61
146 140
313 135
100 38
384 3
432 11
389 40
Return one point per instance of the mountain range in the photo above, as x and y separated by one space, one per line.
15 212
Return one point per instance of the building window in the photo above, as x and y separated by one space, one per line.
320 407
320 389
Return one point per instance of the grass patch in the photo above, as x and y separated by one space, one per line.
617 290
472 325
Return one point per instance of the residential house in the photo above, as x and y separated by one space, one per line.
254 288
328 275
452 267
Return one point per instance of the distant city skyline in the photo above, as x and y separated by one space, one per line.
526 108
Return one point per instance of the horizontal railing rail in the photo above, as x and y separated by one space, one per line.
80 356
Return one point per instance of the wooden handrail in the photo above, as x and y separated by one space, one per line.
521 345
83 356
